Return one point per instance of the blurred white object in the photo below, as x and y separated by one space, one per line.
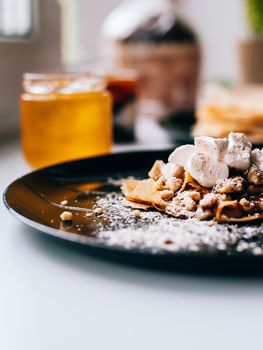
130 15
15 18
223 109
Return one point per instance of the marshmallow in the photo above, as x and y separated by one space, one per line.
209 159
181 155
206 170
171 170
257 158
238 155
216 148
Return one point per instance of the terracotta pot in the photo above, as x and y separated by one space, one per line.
251 60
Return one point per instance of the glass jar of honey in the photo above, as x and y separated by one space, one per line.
64 117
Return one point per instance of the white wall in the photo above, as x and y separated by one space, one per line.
41 52
91 14
219 24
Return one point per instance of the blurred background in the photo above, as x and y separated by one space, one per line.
172 48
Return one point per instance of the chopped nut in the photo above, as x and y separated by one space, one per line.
184 199
209 200
168 241
259 204
66 216
204 214
254 175
196 196
189 203
234 184
246 205
155 172
98 211
65 202
223 197
177 209
167 195
174 184
181 205
172 170
160 184
136 213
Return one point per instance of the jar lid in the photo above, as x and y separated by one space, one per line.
152 21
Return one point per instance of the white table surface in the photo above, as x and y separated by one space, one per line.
53 296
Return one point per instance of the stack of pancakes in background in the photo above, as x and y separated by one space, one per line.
237 109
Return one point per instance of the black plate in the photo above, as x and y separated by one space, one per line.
35 200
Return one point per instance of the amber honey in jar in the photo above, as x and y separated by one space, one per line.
64 117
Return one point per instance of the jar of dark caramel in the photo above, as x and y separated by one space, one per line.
149 36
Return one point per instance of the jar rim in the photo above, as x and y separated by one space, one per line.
59 75
62 82
97 72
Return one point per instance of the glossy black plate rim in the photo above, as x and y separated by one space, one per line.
74 237
233 262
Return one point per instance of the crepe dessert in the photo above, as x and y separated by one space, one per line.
237 109
216 178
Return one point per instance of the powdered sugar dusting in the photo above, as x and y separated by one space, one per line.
159 232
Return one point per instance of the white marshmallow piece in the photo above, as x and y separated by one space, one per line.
257 158
171 170
238 155
206 170
216 148
181 155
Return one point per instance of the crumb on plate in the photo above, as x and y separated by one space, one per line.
66 216
136 213
98 211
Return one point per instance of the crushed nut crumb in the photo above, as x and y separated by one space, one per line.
254 175
189 203
245 204
167 195
168 241
209 200
160 184
98 211
174 183
136 213
204 214
235 184
66 216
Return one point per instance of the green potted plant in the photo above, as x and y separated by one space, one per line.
251 48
